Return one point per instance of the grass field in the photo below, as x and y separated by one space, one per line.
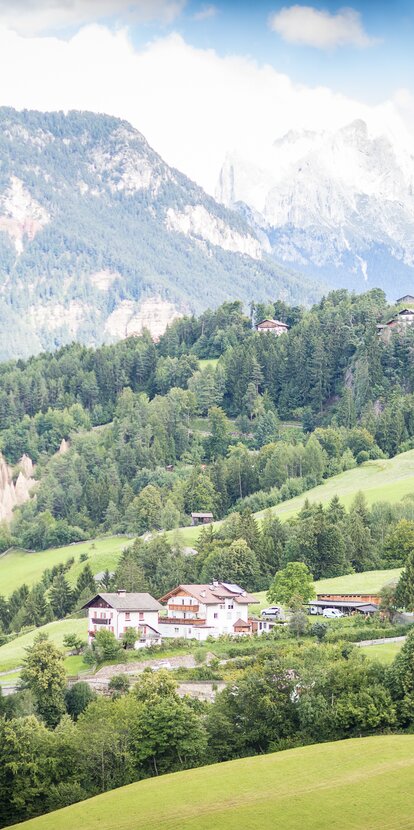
388 480
12 654
364 583
18 566
382 653
360 784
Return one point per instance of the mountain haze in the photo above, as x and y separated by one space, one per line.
100 237
339 206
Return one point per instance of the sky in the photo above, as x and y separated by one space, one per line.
201 79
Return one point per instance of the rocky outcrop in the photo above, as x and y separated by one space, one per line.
14 492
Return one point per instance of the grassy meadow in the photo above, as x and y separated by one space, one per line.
383 652
12 654
388 480
358 784
18 566
368 582
384 480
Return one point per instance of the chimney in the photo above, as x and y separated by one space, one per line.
121 592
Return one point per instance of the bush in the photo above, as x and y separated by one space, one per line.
200 655
119 684
78 698
365 631
319 630
105 646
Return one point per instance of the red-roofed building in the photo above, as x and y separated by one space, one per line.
273 327
199 611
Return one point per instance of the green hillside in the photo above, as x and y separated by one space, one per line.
386 480
360 784
12 654
18 566
364 583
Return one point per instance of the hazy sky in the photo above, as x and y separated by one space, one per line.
203 78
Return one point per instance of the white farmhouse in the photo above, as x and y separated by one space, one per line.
272 327
119 611
199 611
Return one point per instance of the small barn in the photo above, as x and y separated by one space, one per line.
201 518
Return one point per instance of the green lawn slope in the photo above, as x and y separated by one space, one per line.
12 653
383 652
360 784
18 566
388 480
369 582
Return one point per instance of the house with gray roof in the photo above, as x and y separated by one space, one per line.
119 611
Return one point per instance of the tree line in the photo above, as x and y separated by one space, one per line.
60 746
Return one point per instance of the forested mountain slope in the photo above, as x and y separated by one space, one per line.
100 237
129 411
132 438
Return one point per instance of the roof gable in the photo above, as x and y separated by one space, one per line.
126 602
213 594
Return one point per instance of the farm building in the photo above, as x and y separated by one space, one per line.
273 326
347 606
407 299
401 320
201 611
117 612
201 518
373 599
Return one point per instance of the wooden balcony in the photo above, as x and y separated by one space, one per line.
180 621
175 607
100 621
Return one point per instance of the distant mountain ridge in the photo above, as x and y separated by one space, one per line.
100 237
335 205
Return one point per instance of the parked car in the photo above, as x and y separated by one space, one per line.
271 612
332 613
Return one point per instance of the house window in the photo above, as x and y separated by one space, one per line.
183 602
215 615
176 630
127 616
222 607
141 615
230 606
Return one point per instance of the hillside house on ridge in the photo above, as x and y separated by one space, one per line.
273 327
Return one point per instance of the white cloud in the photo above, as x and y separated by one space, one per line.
205 13
321 29
191 104
31 17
